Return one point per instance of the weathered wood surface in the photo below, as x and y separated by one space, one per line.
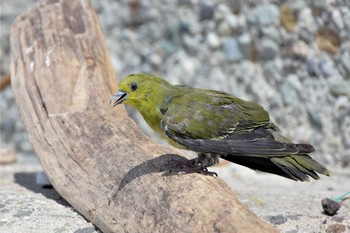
94 155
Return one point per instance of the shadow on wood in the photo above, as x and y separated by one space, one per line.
165 163
94 155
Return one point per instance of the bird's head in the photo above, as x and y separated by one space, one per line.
139 89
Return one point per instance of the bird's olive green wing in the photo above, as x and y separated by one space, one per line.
216 122
204 114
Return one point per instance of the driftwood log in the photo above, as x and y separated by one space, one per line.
95 156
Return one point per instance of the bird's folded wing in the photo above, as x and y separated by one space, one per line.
208 114
241 128
239 145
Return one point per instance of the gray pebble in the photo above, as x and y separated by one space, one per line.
268 49
271 32
315 119
345 60
330 207
326 68
306 20
277 220
298 5
8 125
221 11
246 45
289 90
273 70
341 88
313 67
156 59
337 19
213 40
267 14
224 29
206 11
346 17
190 41
233 22
169 47
251 18
235 6
232 50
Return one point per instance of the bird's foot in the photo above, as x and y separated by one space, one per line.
192 166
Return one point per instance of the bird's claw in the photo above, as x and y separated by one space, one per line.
192 166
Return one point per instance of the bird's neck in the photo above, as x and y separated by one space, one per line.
150 108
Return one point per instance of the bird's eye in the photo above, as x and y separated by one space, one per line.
133 86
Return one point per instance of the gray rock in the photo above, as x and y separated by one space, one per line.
246 45
221 11
155 59
345 60
271 32
306 20
313 67
267 14
294 82
169 47
232 50
306 35
326 68
330 206
251 18
268 49
7 127
298 5
275 102
224 29
341 88
277 220
206 11
235 5
346 17
342 102
232 21
289 91
315 119
25 146
174 34
213 40
337 19
191 42
273 69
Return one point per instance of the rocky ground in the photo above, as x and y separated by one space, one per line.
293 58
291 206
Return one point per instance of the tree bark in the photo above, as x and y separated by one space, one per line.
95 156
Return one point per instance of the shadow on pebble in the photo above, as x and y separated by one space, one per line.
27 180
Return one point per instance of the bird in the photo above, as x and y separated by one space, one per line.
215 125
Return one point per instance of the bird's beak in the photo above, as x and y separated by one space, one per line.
120 96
